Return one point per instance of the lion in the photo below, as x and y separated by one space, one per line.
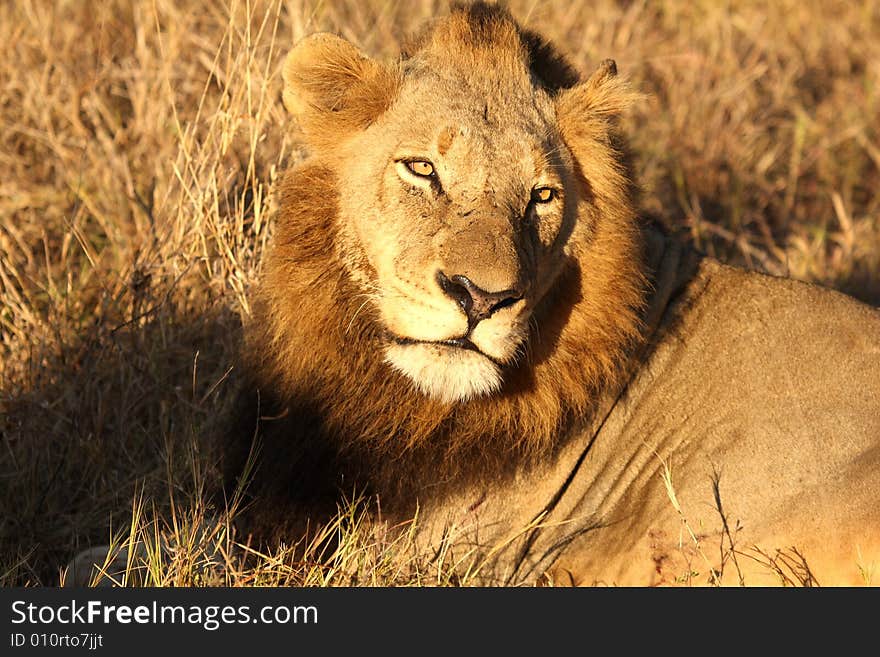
464 316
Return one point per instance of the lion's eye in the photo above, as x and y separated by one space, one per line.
543 194
421 168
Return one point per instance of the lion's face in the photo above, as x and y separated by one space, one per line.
459 198
454 216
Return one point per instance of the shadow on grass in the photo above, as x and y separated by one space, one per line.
114 414
863 285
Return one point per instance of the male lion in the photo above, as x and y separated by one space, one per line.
462 315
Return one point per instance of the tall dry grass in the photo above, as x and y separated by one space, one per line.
139 142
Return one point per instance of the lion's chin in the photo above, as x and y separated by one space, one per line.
446 373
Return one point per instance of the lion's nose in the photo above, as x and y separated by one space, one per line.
477 303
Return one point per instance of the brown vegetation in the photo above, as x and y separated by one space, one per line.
139 143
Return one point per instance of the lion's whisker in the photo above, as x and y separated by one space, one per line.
361 307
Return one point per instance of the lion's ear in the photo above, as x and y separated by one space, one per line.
332 88
602 98
588 120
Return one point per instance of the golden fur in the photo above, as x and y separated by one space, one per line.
317 346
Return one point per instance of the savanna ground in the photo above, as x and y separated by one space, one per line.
139 145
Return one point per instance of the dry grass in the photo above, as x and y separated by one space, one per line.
139 142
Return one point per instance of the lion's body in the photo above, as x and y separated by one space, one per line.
461 314
767 386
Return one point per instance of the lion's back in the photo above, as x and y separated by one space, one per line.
771 387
